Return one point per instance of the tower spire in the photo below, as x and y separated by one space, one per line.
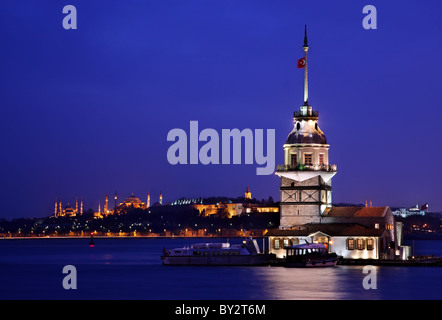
305 36
305 47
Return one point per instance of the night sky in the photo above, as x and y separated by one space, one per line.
86 112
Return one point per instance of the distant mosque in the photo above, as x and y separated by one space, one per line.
306 210
68 211
131 202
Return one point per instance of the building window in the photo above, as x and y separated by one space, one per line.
294 160
308 159
360 244
370 244
286 242
276 244
350 244
321 158
376 225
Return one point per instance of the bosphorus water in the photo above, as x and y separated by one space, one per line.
130 268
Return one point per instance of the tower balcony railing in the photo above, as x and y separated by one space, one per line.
298 114
307 167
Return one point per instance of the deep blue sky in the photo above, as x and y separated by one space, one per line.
86 112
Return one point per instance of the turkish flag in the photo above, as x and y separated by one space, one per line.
301 63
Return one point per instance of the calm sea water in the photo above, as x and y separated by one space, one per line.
132 269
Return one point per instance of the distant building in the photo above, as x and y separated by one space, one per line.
223 208
248 194
227 207
415 211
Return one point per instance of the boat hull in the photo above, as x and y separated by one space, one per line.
311 263
238 260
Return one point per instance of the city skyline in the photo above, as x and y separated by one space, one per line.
87 111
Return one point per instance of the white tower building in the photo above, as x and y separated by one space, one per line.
306 174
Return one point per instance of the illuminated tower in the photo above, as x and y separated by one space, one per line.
60 209
99 206
306 174
248 194
56 205
81 206
161 198
76 205
148 200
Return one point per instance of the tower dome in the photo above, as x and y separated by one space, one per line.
306 132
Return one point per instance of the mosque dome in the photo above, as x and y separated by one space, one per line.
132 200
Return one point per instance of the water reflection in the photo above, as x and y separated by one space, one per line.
340 282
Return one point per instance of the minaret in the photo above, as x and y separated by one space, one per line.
306 174
99 206
106 206
76 205
161 198
148 200
56 204
81 206
60 209
115 205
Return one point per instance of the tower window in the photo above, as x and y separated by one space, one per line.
298 126
294 160
321 158
308 159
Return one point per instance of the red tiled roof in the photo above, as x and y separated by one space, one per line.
356 212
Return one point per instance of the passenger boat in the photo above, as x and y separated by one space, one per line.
217 254
309 255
